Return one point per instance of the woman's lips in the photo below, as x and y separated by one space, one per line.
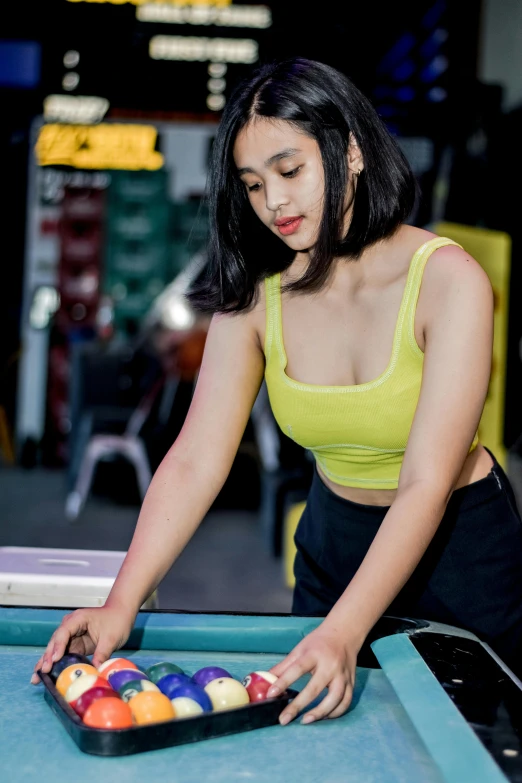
289 226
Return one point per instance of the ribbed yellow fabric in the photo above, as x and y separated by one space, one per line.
358 434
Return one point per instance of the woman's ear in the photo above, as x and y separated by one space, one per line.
355 158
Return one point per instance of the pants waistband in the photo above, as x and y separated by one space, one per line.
465 497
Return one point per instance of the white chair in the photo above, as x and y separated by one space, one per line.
106 446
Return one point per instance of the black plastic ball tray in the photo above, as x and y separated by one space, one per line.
124 742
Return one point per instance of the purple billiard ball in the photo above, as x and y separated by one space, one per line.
192 691
120 677
203 676
170 682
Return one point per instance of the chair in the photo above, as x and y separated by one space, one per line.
128 445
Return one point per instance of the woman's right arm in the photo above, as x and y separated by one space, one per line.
181 491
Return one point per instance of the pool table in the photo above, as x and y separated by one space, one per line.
431 704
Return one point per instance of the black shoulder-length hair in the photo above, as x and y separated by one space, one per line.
322 103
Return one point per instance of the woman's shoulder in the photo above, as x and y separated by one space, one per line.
446 265
452 274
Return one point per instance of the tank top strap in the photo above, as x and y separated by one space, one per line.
274 325
413 285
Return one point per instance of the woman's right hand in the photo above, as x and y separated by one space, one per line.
86 631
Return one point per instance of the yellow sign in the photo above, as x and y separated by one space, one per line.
492 249
159 2
104 146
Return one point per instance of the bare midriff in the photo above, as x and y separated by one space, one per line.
477 466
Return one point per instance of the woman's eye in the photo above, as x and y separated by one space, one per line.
290 174
253 188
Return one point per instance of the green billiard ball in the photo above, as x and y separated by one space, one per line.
132 688
159 670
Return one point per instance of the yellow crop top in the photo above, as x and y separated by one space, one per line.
357 434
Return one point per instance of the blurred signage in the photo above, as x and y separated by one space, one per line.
104 146
75 109
258 16
192 48
20 64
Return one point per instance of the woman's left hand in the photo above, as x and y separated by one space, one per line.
331 660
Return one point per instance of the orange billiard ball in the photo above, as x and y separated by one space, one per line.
114 665
151 707
72 673
108 713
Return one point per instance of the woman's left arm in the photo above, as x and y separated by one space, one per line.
457 365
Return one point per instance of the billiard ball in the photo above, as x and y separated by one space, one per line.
93 694
258 684
186 708
108 713
203 676
151 707
226 693
192 691
114 664
121 676
132 688
170 682
159 670
82 684
67 660
72 673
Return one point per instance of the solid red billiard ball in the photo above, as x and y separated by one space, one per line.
257 685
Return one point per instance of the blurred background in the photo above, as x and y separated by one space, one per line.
109 109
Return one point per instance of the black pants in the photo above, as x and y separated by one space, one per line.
470 575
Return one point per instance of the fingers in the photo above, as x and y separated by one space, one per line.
72 625
345 703
102 653
283 665
316 685
57 646
331 702
288 677
35 678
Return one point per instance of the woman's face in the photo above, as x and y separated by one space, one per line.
283 175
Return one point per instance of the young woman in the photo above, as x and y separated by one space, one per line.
375 341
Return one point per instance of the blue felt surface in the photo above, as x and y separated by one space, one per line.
375 742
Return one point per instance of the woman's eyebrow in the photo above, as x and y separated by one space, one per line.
288 153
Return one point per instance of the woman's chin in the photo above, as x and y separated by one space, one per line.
297 245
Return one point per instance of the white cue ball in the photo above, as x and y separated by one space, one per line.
227 693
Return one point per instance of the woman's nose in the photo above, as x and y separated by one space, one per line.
275 197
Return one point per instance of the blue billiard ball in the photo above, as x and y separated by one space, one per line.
170 682
191 691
